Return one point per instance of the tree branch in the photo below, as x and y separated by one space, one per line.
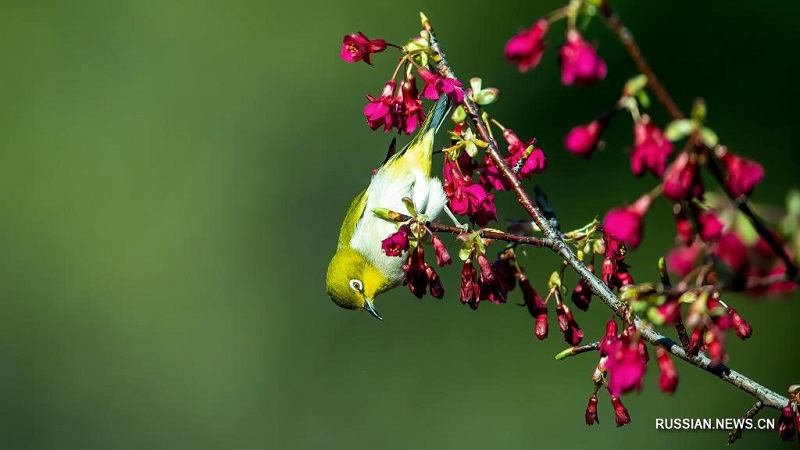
556 243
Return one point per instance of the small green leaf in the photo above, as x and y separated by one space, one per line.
385 213
643 98
634 85
678 129
459 115
564 354
709 137
475 84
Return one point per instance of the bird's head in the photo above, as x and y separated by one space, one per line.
353 282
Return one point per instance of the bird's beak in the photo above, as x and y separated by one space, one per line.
370 308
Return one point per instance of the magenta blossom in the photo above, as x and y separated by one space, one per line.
591 411
626 365
620 413
435 85
470 290
536 306
379 110
651 149
743 174
580 63
731 250
534 162
467 197
710 226
681 260
356 47
584 139
396 243
527 47
668 378
626 224
569 327
407 109
681 180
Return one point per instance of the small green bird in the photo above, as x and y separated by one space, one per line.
359 270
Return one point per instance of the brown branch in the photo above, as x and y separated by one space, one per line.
626 37
557 244
736 433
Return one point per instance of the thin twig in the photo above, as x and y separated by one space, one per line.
557 244
736 433
577 350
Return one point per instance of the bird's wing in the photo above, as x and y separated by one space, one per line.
434 120
351 219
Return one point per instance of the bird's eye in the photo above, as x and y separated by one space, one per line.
356 285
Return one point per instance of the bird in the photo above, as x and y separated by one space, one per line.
359 270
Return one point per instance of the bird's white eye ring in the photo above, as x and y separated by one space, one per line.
356 285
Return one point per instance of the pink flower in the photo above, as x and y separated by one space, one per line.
669 311
609 338
580 63
668 378
743 174
741 327
416 277
535 162
466 197
491 288
651 148
536 306
356 47
626 365
379 110
620 413
572 332
434 283
681 259
527 47
626 224
591 411
710 226
582 294
435 85
583 139
396 243
684 228
786 425
470 290
442 257
407 108
731 250
680 180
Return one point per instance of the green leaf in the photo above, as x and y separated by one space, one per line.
459 115
709 137
678 129
643 98
635 85
486 96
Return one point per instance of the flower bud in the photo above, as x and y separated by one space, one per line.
527 47
536 306
620 413
710 226
743 174
580 63
742 328
442 257
572 332
668 378
591 411
786 425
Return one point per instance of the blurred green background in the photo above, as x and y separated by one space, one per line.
174 174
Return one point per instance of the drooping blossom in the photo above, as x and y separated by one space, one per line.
536 306
416 277
584 139
379 110
591 411
470 291
626 224
408 113
609 338
742 328
397 242
786 425
668 376
436 85
620 413
467 197
681 180
442 257
731 250
357 47
580 63
626 366
743 174
582 294
651 148
534 162
710 226
683 227
569 327
527 47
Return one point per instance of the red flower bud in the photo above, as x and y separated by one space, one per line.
527 47
572 332
680 178
731 250
668 378
710 226
696 341
626 224
434 283
536 306
582 294
580 63
591 411
610 338
584 139
469 285
742 328
786 425
651 148
442 257
621 414
743 174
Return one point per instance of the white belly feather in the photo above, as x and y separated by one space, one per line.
387 191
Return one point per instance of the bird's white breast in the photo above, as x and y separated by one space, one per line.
387 191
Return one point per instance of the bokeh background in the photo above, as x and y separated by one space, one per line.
173 176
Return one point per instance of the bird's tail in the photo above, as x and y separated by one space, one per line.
419 151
